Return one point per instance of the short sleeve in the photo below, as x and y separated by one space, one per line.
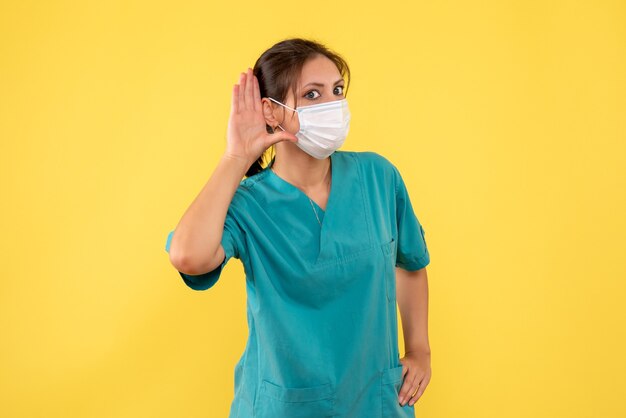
232 241
412 251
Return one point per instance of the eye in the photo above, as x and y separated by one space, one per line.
308 94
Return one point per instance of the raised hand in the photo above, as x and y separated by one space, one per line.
247 137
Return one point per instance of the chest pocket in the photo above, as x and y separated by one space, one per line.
389 256
276 401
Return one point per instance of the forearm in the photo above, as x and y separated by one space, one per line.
198 235
412 298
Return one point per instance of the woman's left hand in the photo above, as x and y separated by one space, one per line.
416 372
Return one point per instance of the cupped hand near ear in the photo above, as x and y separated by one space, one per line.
247 137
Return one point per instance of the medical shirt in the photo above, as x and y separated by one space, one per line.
321 300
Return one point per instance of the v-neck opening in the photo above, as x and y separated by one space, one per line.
289 186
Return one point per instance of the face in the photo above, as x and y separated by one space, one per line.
320 82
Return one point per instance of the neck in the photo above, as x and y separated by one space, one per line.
299 168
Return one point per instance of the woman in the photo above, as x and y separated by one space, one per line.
320 233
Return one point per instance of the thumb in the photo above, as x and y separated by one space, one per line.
281 136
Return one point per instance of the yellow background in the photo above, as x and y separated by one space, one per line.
506 119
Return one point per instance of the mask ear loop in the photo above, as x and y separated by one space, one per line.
288 107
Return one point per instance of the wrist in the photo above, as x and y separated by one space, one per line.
421 350
237 159
236 163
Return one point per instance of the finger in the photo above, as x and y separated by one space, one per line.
249 89
278 136
405 369
420 391
235 99
257 94
242 86
412 397
407 389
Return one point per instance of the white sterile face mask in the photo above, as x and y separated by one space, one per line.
323 127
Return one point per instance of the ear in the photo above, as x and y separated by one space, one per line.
269 109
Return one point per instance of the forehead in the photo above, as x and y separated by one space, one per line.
319 69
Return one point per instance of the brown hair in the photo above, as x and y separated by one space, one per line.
279 68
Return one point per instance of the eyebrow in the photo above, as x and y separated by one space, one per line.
321 84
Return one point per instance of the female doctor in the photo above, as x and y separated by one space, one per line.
329 242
